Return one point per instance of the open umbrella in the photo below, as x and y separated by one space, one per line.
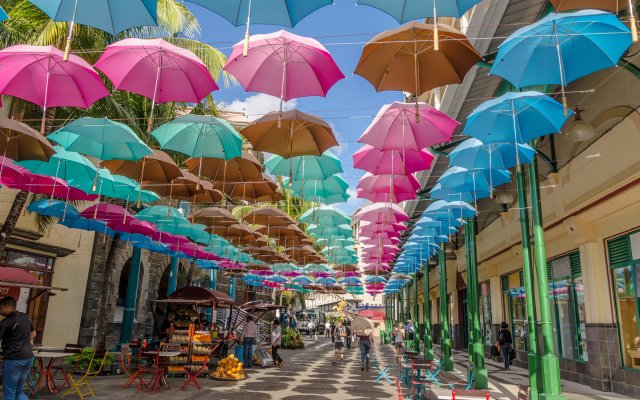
156 70
12 173
382 213
101 138
268 216
320 188
473 180
238 169
324 215
213 216
207 194
181 188
473 154
395 162
64 164
256 191
305 167
290 134
614 6
394 185
155 167
20 142
407 10
111 16
560 48
39 74
284 65
411 59
3 14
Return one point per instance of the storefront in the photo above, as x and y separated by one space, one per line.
515 308
485 313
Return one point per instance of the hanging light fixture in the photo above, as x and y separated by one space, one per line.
504 198
581 130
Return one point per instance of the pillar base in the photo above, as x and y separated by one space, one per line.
416 344
480 378
447 358
428 348
550 372
534 372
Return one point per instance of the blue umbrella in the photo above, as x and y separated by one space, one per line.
476 181
302 280
443 210
326 281
54 208
473 154
3 14
515 118
561 48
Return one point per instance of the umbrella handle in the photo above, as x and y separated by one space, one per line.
67 48
245 50
634 29
436 37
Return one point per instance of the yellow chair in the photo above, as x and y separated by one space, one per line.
81 387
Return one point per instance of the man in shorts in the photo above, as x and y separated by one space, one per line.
340 334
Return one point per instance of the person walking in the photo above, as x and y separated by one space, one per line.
398 340
16 334
332 328
409 330
348 338
506 343
249 334
327 329
311 328
339 334
276 342
366 343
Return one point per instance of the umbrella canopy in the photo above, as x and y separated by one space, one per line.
39 74
305 167
238 169
385 197
181 188
561 48
440 193
107 213
64 164
162 214
614 6
3 14
255 191
473 154
396 128
325 215
202 136
213 216
332 185
11 173
101 138
407 58
408 10
155 167
473 180
20 142
268 216
515 117
382 213
443 210
207 194
284 65
290 134
394 162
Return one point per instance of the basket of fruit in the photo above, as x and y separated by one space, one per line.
229 369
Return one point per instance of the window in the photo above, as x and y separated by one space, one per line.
485 312
515 308
567 306
624 260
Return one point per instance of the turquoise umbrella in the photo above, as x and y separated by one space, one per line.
200 136
324 187
162 214
109 185
305 167
101 138
64 164
330 231
284 267
325 215
3 14
336 241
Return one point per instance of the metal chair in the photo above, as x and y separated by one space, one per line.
150 376
130 362
383 372
82 387
31 385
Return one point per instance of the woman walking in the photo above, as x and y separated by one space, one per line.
506 343
366 342
398 340
276 342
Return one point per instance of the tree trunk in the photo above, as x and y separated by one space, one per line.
107 284
12 218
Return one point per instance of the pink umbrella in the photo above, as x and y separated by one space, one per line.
169 238
398 127
230 264
289 274
270 284
133 226
376 246
383 213
109 213
262 272
156 70
396 162
284 65
366 226
375 286
393 185
10 172
347 274
39 74
380 241
50 187
385 197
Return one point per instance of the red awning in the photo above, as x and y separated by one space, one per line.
17 275
372 314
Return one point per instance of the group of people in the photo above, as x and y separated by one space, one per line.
249 337
342 337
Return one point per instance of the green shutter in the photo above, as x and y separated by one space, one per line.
619 250
576 268
521 276
549 272
505 282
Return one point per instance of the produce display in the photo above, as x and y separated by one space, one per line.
180 338
175 369
202 338
199 349
229 368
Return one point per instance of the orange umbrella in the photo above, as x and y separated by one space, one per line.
239 169
290 135
405 59
181 188
156 167
614 6
19 142
213 216
258 191
208 195
268 216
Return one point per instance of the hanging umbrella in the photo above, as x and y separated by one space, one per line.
155 167
101 138
12 173
111 16
305 167
39 75
385 197
394 162
324 215
451 210
181 188
238 169
19 142
156 70
268 216
560 48
207 194
319 188
395 128
55 209
290 134
256 191
51 187
389 184
3 14
383 213
107 213
213 216
440 193
328 231
412 59
473 180
162 215
473 154
64 164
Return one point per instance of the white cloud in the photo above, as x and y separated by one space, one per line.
352 204
257 105
342 146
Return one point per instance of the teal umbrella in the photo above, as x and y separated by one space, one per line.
64 164
325 215
147 196
101 138
324 187
305 167
336 241
200 136
162 214
320 231
109 185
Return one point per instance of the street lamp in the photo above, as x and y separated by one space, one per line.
580 131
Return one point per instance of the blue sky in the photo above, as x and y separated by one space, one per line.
350 105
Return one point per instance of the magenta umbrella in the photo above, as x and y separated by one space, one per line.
375 286
284 65
366 226
380 241
383 213
396 162
394 185
169 238
385 246
156 70
379 235
50 187
10 172
133 226
378 257
109 213
395 127
385 197
39 74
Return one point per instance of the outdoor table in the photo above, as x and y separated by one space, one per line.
163 356
46 378
447 394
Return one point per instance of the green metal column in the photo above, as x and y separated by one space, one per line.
416 334
407 309
213 279
527 271
131 298
467 248
172 285
426 311
232 289
445 337
481 376
550 365
400 306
